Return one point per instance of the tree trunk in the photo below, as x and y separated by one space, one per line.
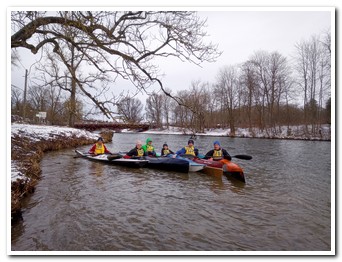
72 112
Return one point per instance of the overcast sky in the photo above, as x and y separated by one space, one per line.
238 34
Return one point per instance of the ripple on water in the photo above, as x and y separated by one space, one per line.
285 205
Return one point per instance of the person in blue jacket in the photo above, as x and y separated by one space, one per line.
188 150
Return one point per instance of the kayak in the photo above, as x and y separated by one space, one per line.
193 166
169 164
114 159
222 167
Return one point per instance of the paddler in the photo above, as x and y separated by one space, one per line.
217 153
148 148
188 150
99 148
166 150
137 151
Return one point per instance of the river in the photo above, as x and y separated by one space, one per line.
285 204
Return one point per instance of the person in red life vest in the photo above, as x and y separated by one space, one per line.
188 150
137 151
166 151
217 153
99 148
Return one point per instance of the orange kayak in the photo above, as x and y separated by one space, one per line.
222 167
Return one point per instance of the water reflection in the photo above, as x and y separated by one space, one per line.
96 169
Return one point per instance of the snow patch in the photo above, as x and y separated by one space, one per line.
42 132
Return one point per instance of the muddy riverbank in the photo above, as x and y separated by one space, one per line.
28 144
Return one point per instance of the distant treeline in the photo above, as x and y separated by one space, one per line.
266 91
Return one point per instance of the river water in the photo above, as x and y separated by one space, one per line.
285 204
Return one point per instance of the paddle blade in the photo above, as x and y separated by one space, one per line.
114 156
245 157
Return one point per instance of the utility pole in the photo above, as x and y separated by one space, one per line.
25 89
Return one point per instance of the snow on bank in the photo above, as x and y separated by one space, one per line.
43 132
294 132
15 173
37 133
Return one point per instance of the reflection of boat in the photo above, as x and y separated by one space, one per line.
113 159
193 166
169 164
222 167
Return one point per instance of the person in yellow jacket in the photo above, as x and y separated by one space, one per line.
188 150
148 148
99 148
166 150
217 153
137 151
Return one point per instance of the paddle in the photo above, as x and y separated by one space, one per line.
244 157
111 156
81 154
114 156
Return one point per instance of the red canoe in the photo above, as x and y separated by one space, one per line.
222 167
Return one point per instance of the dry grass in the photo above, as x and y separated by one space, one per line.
107 135
29 154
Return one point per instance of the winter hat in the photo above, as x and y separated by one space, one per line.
191 141
148 140
100 139
217 143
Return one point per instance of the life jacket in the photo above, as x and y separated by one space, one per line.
99 149
190 150
166 152
217 155
149 148
140 152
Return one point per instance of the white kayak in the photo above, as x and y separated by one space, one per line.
114 159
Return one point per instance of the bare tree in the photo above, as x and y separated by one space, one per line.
248 80
117 43
302 69
167 108
228 89
313 74
154 109
37 95
130 110
16 100
196 102
182 115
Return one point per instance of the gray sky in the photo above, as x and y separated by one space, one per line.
239 34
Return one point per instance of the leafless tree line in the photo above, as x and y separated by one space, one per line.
86 52
267 91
